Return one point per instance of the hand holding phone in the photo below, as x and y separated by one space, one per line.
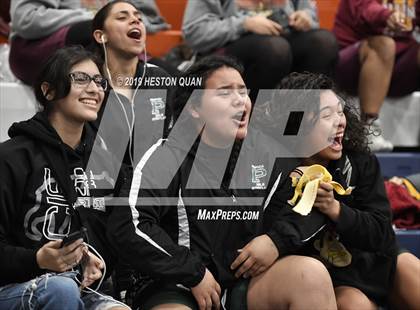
79 234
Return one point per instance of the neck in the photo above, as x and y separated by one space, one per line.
120 65
69 131
315 160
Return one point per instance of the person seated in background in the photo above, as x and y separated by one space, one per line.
351 232
48 192
4 18
268 50
170 231
38 28
378 57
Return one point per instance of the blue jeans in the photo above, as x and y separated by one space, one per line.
51 292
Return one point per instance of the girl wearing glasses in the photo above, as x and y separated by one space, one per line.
351 234
47 193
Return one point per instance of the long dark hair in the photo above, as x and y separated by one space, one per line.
56 72
271 113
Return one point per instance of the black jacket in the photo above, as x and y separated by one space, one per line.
364 226
150 111
191 213
46 192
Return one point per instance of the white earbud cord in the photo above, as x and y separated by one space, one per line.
129 125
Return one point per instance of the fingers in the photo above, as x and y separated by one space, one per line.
90 275
215 300
239 259
253 271
72 246
276 29
73 258
205 303
56 244
245 267
300 20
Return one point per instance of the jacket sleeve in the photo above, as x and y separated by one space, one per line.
369 12
367 223
289 230
205 29
136 232
37 19
17 264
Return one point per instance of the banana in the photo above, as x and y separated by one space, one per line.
307 185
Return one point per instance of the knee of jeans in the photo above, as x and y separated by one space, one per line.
58 286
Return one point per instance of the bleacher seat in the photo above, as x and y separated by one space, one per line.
160 43
399 164
17 103
409 240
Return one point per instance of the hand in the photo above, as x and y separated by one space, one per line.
325 201
92 269
50 256
395 22
207 292
256 257
260 24
300 20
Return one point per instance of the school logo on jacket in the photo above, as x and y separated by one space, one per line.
258 173
51 206
158 109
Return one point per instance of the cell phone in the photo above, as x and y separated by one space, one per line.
79 234
281 18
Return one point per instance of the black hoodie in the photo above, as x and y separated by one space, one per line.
172 232
150 111
364 226
45 193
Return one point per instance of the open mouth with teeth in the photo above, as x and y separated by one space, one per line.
240 118
89 102
336 142
134 34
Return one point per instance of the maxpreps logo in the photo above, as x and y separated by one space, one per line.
258 172
227 215
158 109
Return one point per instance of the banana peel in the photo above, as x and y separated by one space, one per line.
307 185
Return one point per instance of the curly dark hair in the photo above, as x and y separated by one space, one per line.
271 113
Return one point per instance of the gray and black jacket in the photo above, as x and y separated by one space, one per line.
187 212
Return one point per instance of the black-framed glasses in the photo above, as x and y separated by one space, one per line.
84 79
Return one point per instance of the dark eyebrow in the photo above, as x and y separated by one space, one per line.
125 12
230 87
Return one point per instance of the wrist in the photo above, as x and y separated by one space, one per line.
39 258
335 211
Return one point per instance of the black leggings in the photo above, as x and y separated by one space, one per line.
267 59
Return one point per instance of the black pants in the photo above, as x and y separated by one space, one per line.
267 59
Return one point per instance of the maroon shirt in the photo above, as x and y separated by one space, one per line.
359 19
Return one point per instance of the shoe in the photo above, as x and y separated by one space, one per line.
377 143
332 250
